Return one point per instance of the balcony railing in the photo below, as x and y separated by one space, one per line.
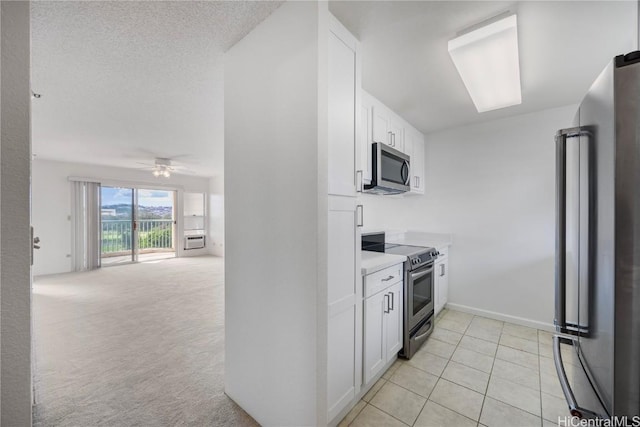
153 234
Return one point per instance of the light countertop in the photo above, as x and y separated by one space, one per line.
419 238
376 261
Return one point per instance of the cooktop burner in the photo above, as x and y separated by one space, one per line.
417 255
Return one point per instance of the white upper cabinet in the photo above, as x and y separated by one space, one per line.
396 131
387 127
344 109
414 147
365 140
379 124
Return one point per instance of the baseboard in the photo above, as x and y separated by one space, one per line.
503 317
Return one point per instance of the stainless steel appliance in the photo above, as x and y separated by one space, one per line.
390 172
598 247
418 289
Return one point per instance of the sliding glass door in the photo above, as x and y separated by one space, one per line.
137 224
155 224
117 217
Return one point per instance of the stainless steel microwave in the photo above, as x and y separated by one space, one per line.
390 172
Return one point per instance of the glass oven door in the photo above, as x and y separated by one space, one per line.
420 294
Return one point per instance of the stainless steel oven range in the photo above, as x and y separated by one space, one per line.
418 289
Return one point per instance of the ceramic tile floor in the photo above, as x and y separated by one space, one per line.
473 371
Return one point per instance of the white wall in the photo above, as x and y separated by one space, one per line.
216 216
491 185
51 201
15 240
271 217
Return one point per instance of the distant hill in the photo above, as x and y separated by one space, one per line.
123 211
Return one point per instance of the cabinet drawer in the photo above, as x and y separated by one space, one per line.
444 252
374 283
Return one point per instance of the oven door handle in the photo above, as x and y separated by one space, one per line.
422 273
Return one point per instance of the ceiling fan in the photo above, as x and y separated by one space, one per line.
162 167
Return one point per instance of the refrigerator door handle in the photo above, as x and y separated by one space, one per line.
560 320
561 231
574 408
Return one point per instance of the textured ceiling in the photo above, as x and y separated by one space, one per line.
124 82
563 48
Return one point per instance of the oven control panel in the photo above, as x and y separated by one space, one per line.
423 258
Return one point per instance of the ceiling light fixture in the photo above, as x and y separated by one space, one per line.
162 168
487 60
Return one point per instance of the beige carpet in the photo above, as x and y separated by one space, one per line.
133 345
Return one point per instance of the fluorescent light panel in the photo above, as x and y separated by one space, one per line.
488 62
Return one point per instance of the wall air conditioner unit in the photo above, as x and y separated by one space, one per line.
193 242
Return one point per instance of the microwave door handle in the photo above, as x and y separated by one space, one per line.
407 178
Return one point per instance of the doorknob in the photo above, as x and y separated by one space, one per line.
34 245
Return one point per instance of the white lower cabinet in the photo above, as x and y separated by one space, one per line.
344 334
441 288
382 329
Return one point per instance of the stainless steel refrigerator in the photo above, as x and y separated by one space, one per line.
597 344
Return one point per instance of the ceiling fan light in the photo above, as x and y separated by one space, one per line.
487 60
166 173
156 173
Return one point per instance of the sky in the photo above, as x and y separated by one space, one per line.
114 196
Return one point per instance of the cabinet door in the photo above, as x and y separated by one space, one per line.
374 337
397 134
365 141
394 320
381 125
436 293
442 282
344 295
343 114
414 146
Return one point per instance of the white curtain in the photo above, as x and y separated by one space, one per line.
85 223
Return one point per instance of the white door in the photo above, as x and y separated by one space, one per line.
365 142
342 115
442 282
374 340
381 126
394 321
397 135
414 146
344 305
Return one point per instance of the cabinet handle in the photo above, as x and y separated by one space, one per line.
390 138
360 208
418 181
388 278
441 269
359 188
386 303
393 305
394 139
